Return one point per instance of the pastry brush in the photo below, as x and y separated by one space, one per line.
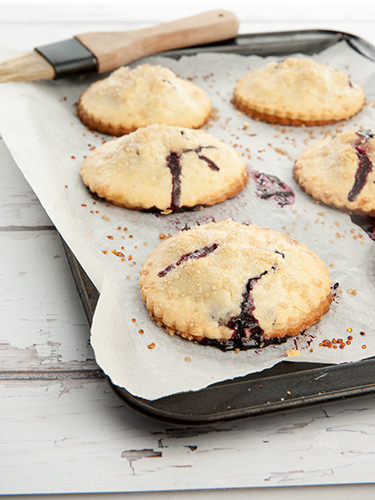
106 51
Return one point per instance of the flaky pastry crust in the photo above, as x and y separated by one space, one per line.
298 92
132 98
228 280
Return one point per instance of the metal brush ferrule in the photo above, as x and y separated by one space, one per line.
68 57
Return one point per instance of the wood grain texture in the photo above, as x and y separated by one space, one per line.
76 435
19 207
114 49
45 327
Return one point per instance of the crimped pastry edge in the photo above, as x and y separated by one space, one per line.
306 322
105 127
288 118
309 320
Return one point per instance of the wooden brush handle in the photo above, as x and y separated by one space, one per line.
115 49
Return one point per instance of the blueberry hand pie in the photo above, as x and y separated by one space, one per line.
298 91
234 285
132 98
165 168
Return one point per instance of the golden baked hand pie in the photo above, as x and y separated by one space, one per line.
339 171
164 168
234 285
298 91
132 98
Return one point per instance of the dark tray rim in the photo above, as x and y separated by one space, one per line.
316 382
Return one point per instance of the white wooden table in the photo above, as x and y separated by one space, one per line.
62 429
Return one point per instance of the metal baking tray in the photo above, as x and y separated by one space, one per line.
288 384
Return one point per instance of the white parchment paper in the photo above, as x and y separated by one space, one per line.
48 142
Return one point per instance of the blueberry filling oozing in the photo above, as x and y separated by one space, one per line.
174 165
209 162
364 163
270 186
247 331
196 254
230 345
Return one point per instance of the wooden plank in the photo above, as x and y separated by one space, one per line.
44 327
66 373
344 492
18 204
77 436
